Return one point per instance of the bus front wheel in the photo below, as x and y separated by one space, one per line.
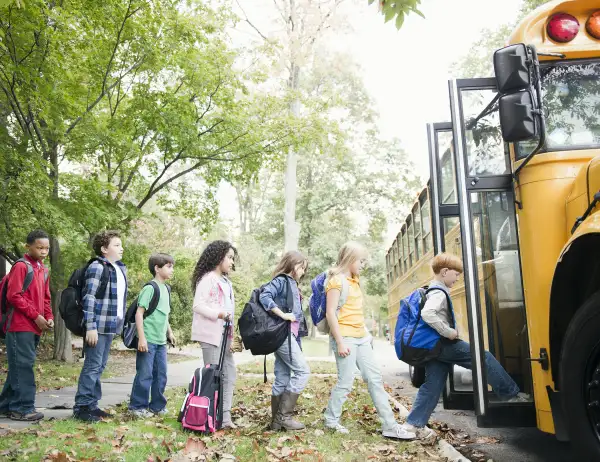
417 375
580 379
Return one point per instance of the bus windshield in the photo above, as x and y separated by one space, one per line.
571 97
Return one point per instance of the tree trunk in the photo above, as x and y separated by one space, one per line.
63 349
290 225
2 267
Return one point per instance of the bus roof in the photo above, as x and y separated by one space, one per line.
532 30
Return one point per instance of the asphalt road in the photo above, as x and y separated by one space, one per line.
514 444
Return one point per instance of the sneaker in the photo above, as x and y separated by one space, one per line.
161 413
338 427
141 413
32 416
100 413
423 433
520 398
85 415
400 432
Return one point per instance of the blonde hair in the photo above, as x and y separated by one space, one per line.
349 253
446 260
288 263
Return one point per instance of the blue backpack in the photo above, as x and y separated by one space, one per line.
318 301
416 342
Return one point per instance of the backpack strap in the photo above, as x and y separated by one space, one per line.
155 299
290 306
448 299
26 283
343 293
104 279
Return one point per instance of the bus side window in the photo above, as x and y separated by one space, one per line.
405 249
426 224
417 221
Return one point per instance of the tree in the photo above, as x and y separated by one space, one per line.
109 105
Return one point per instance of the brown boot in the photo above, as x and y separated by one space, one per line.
284 418
275 400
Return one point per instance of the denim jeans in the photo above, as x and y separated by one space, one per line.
210 355
148 390
361 355
284 380
18 394
437 370
89 388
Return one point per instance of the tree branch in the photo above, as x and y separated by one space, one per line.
90 107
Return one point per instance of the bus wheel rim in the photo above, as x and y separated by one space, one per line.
592 390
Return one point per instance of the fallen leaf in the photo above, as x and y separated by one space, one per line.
319 432
487 440
194 445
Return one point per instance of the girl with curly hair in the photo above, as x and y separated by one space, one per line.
213 305
291 374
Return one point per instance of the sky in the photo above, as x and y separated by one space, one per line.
406 71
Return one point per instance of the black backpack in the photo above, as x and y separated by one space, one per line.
130 337
71 300
263 332
6 311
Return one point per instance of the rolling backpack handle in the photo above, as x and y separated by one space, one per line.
226 327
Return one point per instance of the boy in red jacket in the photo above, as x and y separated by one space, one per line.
31 315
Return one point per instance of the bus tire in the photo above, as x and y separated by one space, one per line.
417 375
579 367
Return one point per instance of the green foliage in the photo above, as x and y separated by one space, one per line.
398 9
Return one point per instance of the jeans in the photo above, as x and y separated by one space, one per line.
361 355
437 370
284 380
89 388
148 390
18 394
210 355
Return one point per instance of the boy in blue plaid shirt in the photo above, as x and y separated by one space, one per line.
103 315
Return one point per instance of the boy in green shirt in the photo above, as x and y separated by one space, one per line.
147 393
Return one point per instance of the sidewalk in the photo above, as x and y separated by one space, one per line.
58 404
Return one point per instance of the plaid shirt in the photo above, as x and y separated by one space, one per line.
101 313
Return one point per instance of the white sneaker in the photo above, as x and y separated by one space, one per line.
399 432
161 413
421 433
142 413
338 427
520 398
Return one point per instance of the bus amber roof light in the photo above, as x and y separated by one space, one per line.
593 25
562 27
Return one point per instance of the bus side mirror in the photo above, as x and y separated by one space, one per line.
511 66
519 108
518 116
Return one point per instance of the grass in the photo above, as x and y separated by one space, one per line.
257 366
123 439
53 375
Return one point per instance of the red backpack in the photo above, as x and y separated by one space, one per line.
6 310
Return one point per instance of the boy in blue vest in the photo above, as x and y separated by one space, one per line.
436 312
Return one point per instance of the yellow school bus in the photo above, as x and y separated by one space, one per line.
514 189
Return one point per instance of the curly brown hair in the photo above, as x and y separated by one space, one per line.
103 240
213 255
